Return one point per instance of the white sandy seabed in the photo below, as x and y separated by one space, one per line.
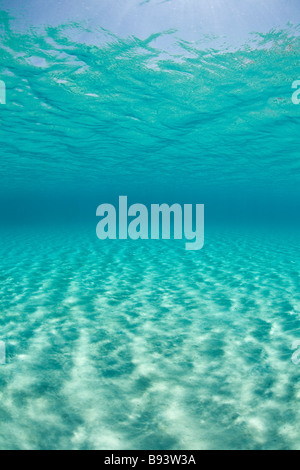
143 345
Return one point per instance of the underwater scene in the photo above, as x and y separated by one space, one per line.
146 340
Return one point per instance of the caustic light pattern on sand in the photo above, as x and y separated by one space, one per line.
126 345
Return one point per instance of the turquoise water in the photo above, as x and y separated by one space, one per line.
141 344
